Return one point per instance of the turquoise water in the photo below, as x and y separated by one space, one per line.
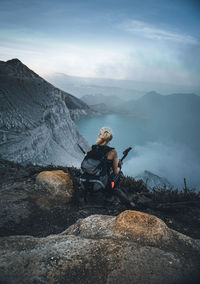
128 131
154 148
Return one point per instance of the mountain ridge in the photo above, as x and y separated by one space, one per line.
121 87
17 69
36 118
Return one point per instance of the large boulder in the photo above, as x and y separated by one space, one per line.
146 228
36 207
57 183
93 250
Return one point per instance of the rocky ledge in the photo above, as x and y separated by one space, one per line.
133 247
49 236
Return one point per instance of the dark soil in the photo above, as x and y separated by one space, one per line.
179 209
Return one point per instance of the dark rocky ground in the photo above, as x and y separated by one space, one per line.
180 210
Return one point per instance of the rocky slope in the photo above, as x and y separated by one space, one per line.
36 119
154 181
131 248
42 204
48 235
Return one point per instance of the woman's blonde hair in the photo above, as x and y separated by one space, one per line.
105 136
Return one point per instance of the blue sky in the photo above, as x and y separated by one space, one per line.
153 40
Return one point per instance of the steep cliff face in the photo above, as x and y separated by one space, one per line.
35 121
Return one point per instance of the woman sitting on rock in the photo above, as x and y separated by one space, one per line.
109 166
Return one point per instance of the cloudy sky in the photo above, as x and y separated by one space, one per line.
152 40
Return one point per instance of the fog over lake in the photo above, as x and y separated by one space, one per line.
154 149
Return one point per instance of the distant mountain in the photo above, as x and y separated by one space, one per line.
125 89
100 108
98 101
154 181
95 86
154 103
174 117
36 119
182 108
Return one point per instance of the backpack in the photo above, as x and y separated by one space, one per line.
94 170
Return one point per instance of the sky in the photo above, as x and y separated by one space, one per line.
152 40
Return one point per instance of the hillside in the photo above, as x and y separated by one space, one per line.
48 232
36 118
173 117
153 103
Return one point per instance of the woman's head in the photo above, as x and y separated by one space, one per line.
105 136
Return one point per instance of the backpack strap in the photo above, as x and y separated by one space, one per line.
103 150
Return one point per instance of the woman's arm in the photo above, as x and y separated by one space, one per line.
115 163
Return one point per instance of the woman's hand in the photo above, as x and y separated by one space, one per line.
120 163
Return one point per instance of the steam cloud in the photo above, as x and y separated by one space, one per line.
172 161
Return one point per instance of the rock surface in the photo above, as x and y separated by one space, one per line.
37 204
57 183
91 251
154 181
142 227
35 119
111 245
29 208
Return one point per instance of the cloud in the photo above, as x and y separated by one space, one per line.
73 59
151 32
152 62
172 161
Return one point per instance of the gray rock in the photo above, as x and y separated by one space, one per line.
91 252
35 120
58 185
38 209
154 181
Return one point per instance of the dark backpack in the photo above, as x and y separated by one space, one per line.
94 170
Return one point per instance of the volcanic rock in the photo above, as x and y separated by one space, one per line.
91 252
28 206
143 227
36 119
154 181
57 183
